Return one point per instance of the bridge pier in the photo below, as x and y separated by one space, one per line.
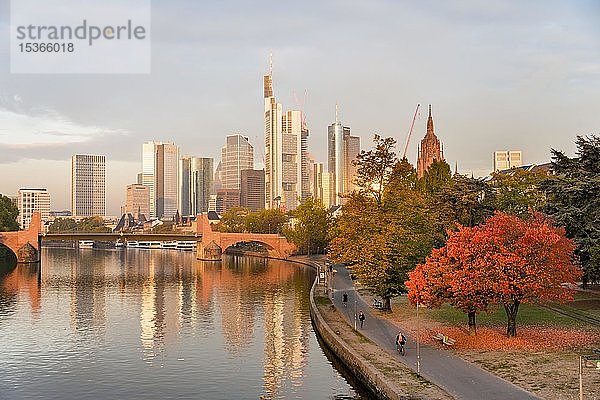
25 244
209 252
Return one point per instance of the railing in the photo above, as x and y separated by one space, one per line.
114 236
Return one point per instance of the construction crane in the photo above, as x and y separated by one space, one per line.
408 135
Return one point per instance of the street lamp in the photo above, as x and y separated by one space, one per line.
418 343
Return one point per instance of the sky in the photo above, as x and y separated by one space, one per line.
499 74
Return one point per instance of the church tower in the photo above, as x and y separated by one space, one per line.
430 149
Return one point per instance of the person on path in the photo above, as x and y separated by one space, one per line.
345 299
400 342
361 318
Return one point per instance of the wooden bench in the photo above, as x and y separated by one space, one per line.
446 341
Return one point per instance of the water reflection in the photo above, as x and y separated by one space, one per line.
162 324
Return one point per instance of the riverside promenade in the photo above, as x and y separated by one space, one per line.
459 378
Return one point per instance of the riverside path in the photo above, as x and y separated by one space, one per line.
461 379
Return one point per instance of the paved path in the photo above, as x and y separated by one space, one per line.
459 378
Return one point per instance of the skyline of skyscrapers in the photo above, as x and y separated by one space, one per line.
30 201
88 185
160 162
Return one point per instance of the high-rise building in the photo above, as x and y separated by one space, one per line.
342 149
159 173
196 184
252 189
324 185
430 150
507 159
227 199
30 201
137 201
88 185
283 164
305 159
236 155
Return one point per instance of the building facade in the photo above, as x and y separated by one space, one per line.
507 159
430 149
137 201
252 189
88 185
227 199
236 155
30 201
160 162
324 185
283 151
196 184
342 150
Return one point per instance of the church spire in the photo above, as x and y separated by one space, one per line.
430 122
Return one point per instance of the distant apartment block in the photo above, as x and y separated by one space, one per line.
507 159
88 185
30 201
252 189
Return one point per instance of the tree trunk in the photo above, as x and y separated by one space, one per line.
387 304
511 314
472 324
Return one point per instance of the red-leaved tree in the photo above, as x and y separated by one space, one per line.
507 260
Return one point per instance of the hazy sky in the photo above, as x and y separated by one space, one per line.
521 75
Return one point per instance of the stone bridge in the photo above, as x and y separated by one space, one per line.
213 243
25 244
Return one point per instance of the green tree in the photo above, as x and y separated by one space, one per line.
573 201
8 215
233 220
92 224
518 191
266 221
374 168
311 227
436 177
61 225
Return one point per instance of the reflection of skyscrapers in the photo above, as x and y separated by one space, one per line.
159 169
236 155
283 164
30 201
195 184
342 149
88 186
430 149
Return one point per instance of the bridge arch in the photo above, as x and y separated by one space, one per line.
25 244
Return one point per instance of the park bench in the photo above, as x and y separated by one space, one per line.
446 341
377 304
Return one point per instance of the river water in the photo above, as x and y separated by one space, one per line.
158 324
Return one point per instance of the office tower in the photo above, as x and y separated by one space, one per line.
324 185
236 155
283 164
196 184
430 149
342 149
507 159
137 201
305 159
30 201
252 189
88 185
227 199
212 203
159 173
311 175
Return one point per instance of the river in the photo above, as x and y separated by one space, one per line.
158 324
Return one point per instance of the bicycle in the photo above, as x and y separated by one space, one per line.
400 348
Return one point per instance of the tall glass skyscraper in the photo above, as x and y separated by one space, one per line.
236 155
196 184
342 149
88 185
159 173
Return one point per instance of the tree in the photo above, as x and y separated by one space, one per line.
266 221
374 167
8 215
573 201
61 225
436 177
464 201
233 220
311 227
92 224
507 260
518 191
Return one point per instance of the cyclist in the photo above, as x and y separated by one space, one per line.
400 342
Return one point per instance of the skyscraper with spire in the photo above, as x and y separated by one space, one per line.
283 162
430 149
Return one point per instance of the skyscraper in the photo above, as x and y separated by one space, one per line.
252 189
137 200
283 164
30 201
305 159
342 149
159 173
507 159
324 185
88 185
236 155
430 150
196 184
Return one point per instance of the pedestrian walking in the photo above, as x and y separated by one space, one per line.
361 318
345 299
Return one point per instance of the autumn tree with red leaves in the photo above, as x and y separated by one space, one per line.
506 260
